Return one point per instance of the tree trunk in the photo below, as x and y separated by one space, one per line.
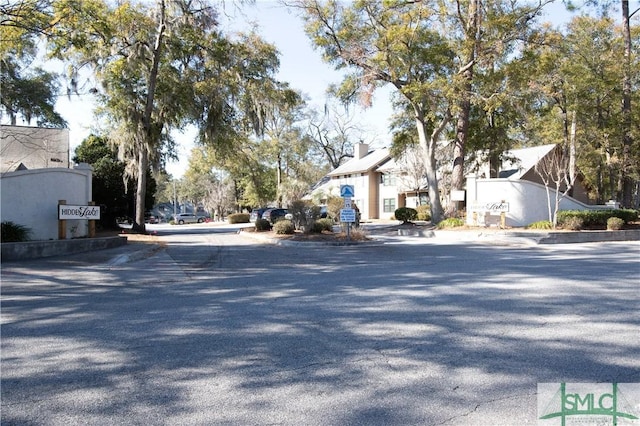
428 145
472 38
279 179
148 134
462 128
141 191
572 152
627 140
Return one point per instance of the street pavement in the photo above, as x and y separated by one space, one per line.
214 328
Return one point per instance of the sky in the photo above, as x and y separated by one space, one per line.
300 65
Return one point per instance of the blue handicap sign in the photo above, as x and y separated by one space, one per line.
346 191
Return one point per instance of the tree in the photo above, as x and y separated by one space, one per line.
573 96
412 172
280 109
334 133
108 183
628 182
162 67
555 174
431 52
28 92
392 43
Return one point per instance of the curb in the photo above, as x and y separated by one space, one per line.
38 249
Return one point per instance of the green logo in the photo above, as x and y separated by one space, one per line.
589 402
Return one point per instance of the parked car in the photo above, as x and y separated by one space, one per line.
150 218
323 212
274 215
256 214
204 217
182 218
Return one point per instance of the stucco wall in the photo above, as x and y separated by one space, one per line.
30 198
527 200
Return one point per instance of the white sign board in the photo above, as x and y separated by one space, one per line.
347 203
78 212
347 215
347 191
491 207
457 195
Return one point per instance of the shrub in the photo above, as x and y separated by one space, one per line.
304 214
355 234
334 204
452 222
405 214
262 225
238 218
541 224
615 224
597 218
424 213
284 227
321 225
573 223
14 233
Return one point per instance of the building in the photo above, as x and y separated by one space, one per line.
23 147
383 184
520 190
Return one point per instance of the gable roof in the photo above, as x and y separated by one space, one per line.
517 162
370 161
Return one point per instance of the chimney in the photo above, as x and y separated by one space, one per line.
361 150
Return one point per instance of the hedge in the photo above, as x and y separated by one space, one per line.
238 218
596 217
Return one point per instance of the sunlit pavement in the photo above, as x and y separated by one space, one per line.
215 329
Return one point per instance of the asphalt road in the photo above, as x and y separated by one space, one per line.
218 329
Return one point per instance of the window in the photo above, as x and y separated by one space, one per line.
388 180
389 205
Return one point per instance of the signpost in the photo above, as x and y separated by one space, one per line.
501 207
346 191
68 212
347 214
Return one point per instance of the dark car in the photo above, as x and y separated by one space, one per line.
324 212
150 218
256 214
274 215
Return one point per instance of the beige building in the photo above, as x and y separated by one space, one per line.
23 147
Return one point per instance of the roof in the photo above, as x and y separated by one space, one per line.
517 162
389 166
370 161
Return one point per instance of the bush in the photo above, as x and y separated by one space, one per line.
405 214
615 224
238 218
541 224
597 218
304 214
284 227
424 213
262 225
452 222
14 233
334 204
573 223
321 225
